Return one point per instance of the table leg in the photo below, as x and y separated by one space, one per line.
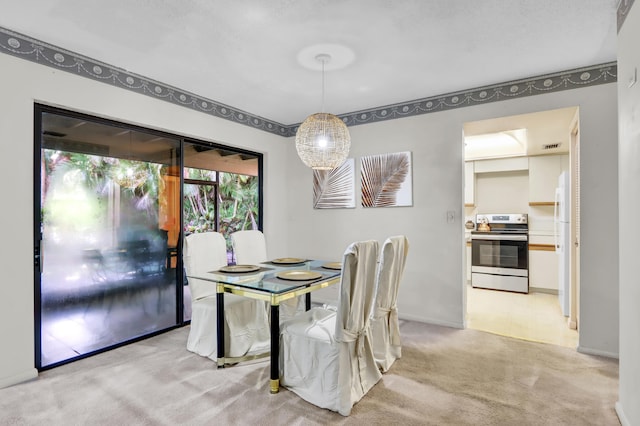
220 327
307 301
275 348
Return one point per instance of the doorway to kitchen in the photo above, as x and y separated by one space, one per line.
514 166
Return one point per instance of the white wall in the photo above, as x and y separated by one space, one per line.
21 84
629 176
433 289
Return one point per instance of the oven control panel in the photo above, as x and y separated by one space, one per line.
495 218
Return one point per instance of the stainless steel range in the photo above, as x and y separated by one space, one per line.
500 252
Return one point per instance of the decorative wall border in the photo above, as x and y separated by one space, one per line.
578 78
42 53
33 50
624 6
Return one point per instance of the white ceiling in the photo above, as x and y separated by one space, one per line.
245 53
551 127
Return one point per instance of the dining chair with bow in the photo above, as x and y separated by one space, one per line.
326 356
246 320
385 327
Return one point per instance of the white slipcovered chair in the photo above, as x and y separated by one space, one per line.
250 248
246 320
326 356
385 328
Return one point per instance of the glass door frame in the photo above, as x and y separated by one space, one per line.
39 110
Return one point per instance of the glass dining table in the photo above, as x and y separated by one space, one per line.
273 282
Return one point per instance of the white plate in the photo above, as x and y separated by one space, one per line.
299 275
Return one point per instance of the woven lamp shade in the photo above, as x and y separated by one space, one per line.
323 141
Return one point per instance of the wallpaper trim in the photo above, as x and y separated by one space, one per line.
578 78
42 53
624 6
33 50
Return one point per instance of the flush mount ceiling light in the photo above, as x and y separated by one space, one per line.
510 143
323 140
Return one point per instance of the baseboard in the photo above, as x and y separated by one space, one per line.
620 412
18 378
589 351
431 321
402 316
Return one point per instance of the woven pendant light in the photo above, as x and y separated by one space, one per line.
323 140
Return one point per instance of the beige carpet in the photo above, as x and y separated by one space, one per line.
446 377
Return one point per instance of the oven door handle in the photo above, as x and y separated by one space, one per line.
500 237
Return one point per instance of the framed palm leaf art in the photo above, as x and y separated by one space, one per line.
386 180
335 189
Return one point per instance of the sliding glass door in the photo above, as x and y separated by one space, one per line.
109 207
112 205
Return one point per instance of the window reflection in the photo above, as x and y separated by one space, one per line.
107 222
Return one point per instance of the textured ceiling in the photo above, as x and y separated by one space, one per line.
254 55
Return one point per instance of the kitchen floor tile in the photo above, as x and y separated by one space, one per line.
534 316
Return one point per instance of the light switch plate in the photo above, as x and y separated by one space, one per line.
451 216
634 77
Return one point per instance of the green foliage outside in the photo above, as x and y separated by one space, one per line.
237 202
141 184
86 182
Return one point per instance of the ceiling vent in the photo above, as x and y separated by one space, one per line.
551 146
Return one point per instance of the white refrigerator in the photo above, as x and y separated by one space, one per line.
562 218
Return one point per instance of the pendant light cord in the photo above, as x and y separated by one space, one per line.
323 58
322 105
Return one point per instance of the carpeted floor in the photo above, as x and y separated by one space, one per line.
445 377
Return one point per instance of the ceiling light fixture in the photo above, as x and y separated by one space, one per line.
323 140
508 143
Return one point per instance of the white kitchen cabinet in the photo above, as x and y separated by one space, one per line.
543 178
543 270
543 264
469 184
